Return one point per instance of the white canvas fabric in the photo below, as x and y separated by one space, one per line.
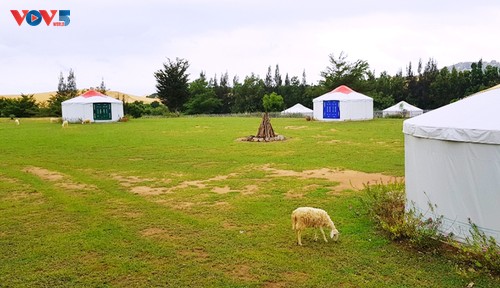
298 109
352 105
452 161
402 107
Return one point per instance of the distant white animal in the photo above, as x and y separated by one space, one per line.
86 121
308 217
17 121
65 123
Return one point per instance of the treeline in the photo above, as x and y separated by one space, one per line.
425 86
26 105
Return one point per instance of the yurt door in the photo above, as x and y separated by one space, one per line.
331 109
102 111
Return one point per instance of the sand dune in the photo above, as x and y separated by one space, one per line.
44 96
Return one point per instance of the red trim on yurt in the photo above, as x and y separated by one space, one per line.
92 93
343 89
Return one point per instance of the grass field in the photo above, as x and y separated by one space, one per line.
180 202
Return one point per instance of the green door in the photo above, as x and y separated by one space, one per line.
102 111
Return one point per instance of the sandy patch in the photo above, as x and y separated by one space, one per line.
250 189
335 141
197 253
6 179
203 183
128 181
62 180
44 174
347 179
241 272
146 190
76 186
295 127
222 190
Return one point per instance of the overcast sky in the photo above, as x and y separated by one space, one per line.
125 42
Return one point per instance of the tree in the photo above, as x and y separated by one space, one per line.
172 84
203 99
102 87
272 102
65 90
277 77
342 72
25 106
248 96
71 89
268 82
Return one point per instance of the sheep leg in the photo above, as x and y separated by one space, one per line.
315 235
299 240
323 232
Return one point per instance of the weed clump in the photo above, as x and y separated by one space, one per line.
386 204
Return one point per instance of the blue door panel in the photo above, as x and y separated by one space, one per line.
331 109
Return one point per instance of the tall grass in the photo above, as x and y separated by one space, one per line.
138 204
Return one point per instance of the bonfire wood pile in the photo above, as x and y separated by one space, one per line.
266 132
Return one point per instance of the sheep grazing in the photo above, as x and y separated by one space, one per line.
308 217
17 121
65 123
86 121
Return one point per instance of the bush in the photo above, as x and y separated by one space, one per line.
386 205
479 250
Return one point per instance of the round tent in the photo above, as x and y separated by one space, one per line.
452 162
92 106
402 109
341 104
298 109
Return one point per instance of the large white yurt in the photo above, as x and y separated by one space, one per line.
93 106
342 104
452 162
298 109
402 109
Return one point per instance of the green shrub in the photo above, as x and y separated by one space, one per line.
386 205
479 250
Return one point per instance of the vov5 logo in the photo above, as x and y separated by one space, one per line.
35 17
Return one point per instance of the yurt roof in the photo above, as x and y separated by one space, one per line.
92 96
297 108
472 119
343 93
402 106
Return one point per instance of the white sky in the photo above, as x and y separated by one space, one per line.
126 41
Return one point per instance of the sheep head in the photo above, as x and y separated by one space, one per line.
334 234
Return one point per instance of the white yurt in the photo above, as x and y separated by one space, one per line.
93 106
452 161
342 104
402 109
298 109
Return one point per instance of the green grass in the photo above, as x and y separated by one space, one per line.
87 227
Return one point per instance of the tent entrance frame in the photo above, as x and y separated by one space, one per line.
102 111
331 109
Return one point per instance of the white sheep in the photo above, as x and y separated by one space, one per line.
65 123
17 121
304 217
86 121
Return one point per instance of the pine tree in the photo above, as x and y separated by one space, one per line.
102 87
